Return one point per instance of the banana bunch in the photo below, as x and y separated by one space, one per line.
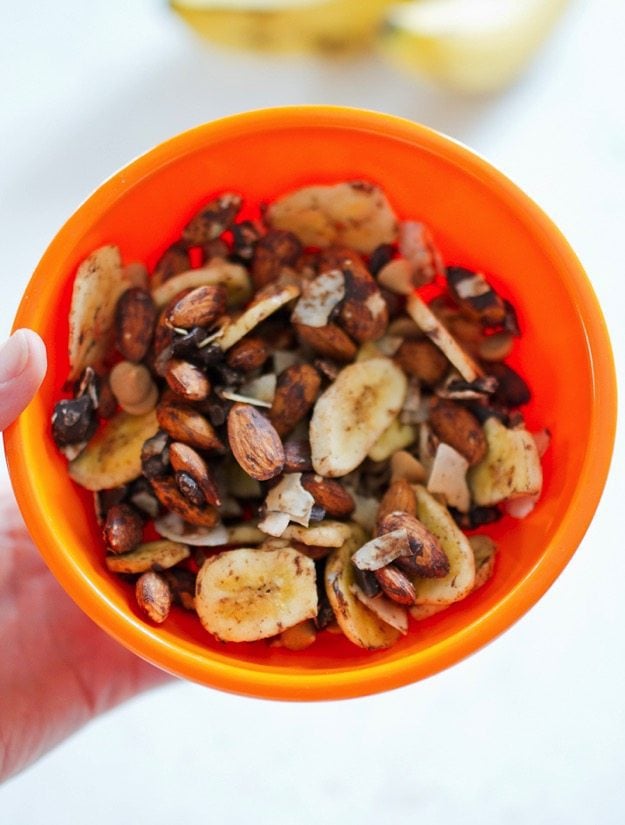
467 45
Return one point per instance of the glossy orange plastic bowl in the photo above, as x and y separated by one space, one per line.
481 220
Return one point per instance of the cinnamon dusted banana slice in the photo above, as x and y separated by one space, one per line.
172 526
325 533
459 582
427 321
99 283
355 214
353 413
266 301
510 469
358 622
244 595
153 555
233 277
113 456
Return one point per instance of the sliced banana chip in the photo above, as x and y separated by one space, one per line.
244 595
395 437
99 283
323 534
460 579
113 456
352 414
153 555
266 302
358 623
386 609
511 467
233 277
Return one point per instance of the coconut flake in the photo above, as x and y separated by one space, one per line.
288 498
382 550
384 608
244 399
365 511
262 388
274 524
521 506
174 528
318 299
448 476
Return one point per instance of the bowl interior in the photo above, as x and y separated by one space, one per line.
479 220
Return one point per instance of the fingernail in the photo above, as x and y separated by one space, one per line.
13 356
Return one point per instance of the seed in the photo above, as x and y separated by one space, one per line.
396 585
254 442
135 320
187 380
123 528
329 494
185 424
248 354
199 308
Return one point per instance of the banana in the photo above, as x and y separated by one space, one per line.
113 456
468 45
267 301
356 215
395 437
358 623
153 555
317 26
353 413
244 595
461 577
98 284
510 469
233 277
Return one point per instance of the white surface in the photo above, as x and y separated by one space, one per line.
531 729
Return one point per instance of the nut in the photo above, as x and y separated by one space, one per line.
273 252
296 391
173 261
187 380
363 312
456 426
399 497
329 494
423 360
248 354
185 459
153 596
297 457
512 391
200 307
133 387
135 320
123 528
476 295
212 219
254 442
427 559
396 585
185 424
329 341
171 498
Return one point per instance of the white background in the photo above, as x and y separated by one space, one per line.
530 730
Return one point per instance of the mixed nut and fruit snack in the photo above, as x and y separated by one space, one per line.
282 433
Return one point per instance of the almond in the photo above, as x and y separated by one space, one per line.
396 585
187 380
248 354
297 457
423 360
185 424
329 494
135 320
254 442
123 528
456 426
476 295
185 459
173 261
427 559
399 497
212 219
363 312
171 498
154 596
273 252
329 341
296 391
200 307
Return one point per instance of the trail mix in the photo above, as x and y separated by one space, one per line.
282 434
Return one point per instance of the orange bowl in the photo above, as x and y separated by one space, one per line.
480 220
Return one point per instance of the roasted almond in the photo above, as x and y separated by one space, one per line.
296 391
254 442
427 558
187 380
213 219
135 319
154 596
200 307
476 295
329 341
512 391
273 252
329 494
456 426
185 459
399 497
297 457
423 360
123 528
396 585
248 354
363 312
167 492
173 261
185 424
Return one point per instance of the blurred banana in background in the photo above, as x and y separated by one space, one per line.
466 45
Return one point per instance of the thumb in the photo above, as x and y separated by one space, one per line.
22 368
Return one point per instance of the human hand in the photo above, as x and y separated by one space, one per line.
58 670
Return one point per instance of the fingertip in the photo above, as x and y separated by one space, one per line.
23 363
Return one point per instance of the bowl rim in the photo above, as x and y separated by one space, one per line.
266 681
